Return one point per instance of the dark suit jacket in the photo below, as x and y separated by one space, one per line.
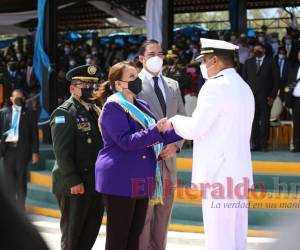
76 143
16 81
293 55
292 74
291 80
28 142
287 65
264 83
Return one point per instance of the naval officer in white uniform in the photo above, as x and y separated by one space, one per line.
220 128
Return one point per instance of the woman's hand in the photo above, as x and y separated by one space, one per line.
163 125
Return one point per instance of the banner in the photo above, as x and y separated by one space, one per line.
41 62
154 20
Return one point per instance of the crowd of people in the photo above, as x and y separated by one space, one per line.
16 71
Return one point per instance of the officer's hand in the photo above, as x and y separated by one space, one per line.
78 189
35 158
163 125
169 151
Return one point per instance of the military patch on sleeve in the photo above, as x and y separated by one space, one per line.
60 120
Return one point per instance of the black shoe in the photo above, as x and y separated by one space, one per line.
265 149
255 149
296 150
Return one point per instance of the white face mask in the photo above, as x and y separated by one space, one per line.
204 69
261 39
72 63
88 60
154 64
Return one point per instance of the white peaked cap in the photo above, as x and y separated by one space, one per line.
212 46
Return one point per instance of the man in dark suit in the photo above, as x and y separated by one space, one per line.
16 79
19 144
76 143
291 47
294 79
284 67
262 75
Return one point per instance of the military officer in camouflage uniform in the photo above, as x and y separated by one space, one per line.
76 142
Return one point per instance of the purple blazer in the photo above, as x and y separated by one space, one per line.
126 164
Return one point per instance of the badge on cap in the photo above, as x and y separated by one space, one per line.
60 120
92 70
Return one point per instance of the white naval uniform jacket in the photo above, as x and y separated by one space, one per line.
220 128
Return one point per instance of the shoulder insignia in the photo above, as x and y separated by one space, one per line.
215 77
60 119
66 105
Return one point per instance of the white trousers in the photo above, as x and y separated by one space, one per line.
225 223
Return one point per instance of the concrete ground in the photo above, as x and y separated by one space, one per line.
49 229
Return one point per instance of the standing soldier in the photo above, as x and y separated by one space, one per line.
76 142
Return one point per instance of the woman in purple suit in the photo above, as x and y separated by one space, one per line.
127 173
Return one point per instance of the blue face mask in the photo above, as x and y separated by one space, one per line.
67 50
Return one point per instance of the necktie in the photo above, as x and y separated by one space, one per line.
14 123
281 66
159 95
257 65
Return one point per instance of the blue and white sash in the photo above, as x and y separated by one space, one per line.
146 121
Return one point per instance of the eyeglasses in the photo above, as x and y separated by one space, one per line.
87 85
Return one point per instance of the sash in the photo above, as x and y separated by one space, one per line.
145 121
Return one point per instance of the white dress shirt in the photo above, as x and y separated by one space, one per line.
296 91
260 59
148 76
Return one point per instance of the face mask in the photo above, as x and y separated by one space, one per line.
154 64
67 50
281 56
87 95
258 53
135 86
72 63
19 102
88 60
204 69
19 56
261 39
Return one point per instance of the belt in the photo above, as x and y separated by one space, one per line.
12 144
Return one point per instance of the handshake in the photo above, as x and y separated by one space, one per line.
164 124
